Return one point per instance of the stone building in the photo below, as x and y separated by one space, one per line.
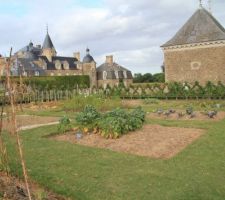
43 61
2 65
112 74
197 51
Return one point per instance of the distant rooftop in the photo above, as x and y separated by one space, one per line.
201 27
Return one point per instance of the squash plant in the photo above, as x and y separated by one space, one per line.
87 120
64 124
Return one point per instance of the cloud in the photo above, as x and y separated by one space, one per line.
131 30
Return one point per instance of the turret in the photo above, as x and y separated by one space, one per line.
48 48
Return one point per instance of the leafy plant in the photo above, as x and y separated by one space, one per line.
112 124
64 124
189 110
88 118
119 122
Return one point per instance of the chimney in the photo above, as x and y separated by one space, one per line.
109 59
77 55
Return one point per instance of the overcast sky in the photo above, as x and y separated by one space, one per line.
131 30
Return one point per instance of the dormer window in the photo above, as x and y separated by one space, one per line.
58 65
24 73
37 73
66 65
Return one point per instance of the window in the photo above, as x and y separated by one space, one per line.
195 65
24 73
37 73
58 64
104 75
66 65
125 74
117 74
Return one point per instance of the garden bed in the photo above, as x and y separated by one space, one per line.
152 141
198 116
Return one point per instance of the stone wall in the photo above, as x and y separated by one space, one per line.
90 70
2 65
200 64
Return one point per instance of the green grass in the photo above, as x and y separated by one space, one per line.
85 173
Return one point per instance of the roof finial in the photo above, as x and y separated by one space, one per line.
47 28
87 50
200 3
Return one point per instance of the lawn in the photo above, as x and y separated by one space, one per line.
85 173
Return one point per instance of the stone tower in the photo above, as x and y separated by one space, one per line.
196 52
89 68
48 48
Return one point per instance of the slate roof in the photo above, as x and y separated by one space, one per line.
51 65
30 50
111 69
201 27
47 43
27 64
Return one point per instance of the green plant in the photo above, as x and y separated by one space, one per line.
64 124
119 122
189 110
151 101
88 118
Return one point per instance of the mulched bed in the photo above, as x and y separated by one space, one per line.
152 141
201 116
12 188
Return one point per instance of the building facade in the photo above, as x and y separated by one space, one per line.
43 61
197 51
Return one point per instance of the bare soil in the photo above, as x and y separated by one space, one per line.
198 116
42 106
12 188
26 120
152 141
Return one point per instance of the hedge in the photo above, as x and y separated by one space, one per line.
56 82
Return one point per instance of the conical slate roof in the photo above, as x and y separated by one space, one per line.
47 43
201 27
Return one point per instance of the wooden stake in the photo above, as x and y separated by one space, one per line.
11 92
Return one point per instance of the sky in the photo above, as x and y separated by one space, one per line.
130 30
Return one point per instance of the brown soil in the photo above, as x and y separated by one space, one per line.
42 106
198 116
132 103
152 141
26 120
12 188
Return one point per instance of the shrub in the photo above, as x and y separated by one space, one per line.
64 124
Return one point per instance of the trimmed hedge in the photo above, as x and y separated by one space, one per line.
56 82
